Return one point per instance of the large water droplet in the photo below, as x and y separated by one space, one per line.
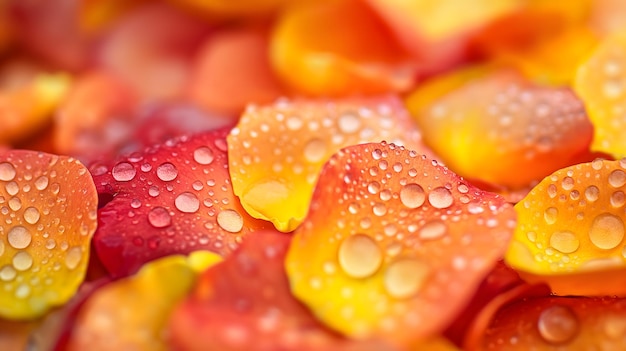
123 172
592 193
203 155
12 188
315 150
230 220
557 325
349 123
412 195
22 261
433 230
405 278
564 241
187 203
41 183
567 183
73 257
167 172
440 198
617 178
607 231
7 171
19 237
360 256
15 203
159 217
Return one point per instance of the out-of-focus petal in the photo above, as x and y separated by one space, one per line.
277 151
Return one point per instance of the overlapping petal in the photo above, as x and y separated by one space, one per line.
570 230
394 245
277 151
48 203
174 197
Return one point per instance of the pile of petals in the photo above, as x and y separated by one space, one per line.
351 175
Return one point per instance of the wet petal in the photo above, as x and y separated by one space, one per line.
276 152
233 70
174 197
233 9
49 207
394 245
571 230
550 323
244 303
601 83
353 52
132 313
503 129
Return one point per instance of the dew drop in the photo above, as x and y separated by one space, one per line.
550 215
153 191
41 183
607 231
412 195
440 198
7 273
15 203
73 257
167 172
359 256
349 123
187 203
22 291
123 172
433 230
618 199
230 220
379 209
159 217
552 191
12 188
405 278
19 237
592 193
203 155
22 261
315 150
135 203
567 183
373 187
557 325
564 241
617 178
7 171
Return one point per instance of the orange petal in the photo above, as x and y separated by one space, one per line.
132 313
228 9
276 151
394 245
558 323
233 70
15 335
503 129
332 48
571 230
28 96
49 203
601 84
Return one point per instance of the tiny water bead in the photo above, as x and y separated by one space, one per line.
123 172
359 256
558 325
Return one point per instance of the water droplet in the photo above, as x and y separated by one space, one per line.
159 217
315 150
187 203
607 231
567 183
612 89
349 123
405 278
617 178
7 171
433 230
440 198
22 291
557 325
618 199
230 220
564 241
293 123
22 261
41 183
412 195
19 237
373 187
167 172
15 203
379 209
552 191
153 191
73 257
592 193
550 215
359 256
135 203
123 172
12 188
203 155
7 273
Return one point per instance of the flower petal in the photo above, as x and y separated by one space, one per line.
276 152
503 129
49 205
394 245
172 198
352 52
132 313
571 230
